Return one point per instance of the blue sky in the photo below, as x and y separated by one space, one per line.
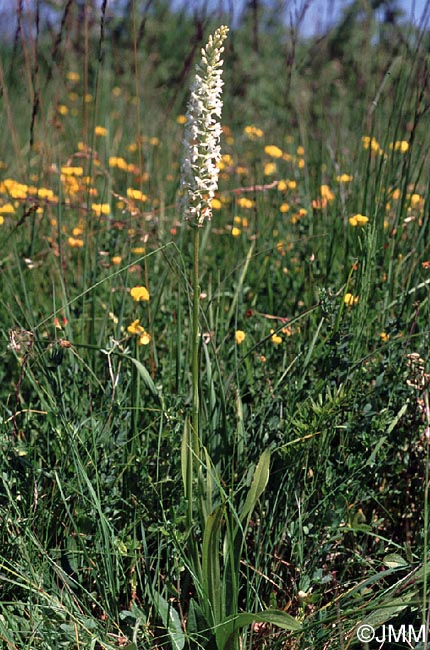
324 12
319 15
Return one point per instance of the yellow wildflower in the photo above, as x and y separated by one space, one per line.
74 242
73 76
349 299
62 109
139 293
273 150
243 202
72 171
45 193
216 204
384 337
284 208
136 195
415 200
100 130
275 338
242 170
138 330
300 151
135 328
116 161
239 336
7 208
14 189
399 145
371 143
326 193
358 220
116 260
344 178
253 132
144 338
235 231
270 169
100 208
181 119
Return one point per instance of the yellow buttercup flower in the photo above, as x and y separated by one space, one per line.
7 208
116 161
136 195
216 204
275 338
358 220
253 132
349 299
415 200
66 170
100 208
139 293
269 169
399 145
46 193
239 336
372 143
145 338
243 202
74 242
136 328
326 193
273 150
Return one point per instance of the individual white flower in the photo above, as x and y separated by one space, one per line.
202 151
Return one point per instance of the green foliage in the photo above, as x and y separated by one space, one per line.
301 512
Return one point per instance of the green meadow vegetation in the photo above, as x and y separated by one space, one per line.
216 437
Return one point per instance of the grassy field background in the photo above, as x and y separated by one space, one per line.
310 495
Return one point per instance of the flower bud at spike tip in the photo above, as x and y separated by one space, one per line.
202 151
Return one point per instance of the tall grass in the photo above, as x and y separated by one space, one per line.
302 511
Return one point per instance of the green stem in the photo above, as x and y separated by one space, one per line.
195 345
